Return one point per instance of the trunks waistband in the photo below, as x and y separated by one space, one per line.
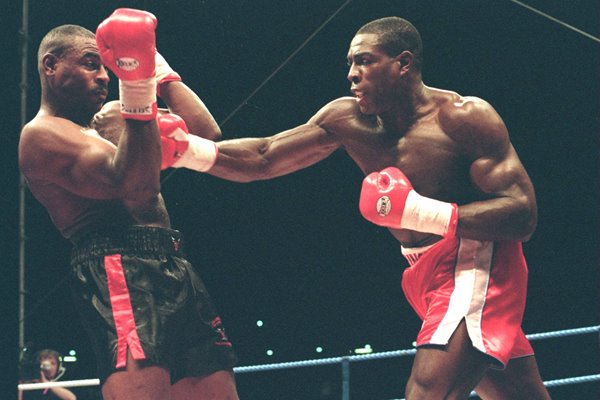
412 254
137 239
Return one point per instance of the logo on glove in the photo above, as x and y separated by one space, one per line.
127 63
384 206
146 110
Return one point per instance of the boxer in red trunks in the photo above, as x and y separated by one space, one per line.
471 207
462 279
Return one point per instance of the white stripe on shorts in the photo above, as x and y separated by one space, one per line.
471 278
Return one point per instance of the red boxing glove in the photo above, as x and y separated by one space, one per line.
173 138
388 199
164 72
180 149
127 44
126 41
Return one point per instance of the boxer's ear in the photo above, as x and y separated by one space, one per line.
405 61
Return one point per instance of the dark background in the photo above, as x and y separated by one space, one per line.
294 251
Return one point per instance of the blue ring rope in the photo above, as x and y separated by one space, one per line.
395 353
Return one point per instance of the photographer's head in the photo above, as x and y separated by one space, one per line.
50 362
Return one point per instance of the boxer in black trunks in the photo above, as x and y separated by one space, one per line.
106 200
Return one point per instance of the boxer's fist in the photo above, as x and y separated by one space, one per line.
180 149
383 197
388 199
173 138
127 44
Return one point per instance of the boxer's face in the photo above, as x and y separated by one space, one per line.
374 76
108 122
78 77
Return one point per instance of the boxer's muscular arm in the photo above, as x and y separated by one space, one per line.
182 101
56 151
177 96
249 159
509 211
129 34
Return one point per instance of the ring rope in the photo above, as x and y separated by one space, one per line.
571 381
397 353
46 385
361 357
96 382
558 21
562 333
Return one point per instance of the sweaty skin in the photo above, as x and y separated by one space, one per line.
452 148
83 180
76 215
91 184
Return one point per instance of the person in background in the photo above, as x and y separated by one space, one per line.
50 369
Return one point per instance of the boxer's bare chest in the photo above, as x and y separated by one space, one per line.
424 152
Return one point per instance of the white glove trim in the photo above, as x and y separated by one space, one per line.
138 98
164 70
423 214
201 154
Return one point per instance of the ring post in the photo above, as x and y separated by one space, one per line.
345 378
